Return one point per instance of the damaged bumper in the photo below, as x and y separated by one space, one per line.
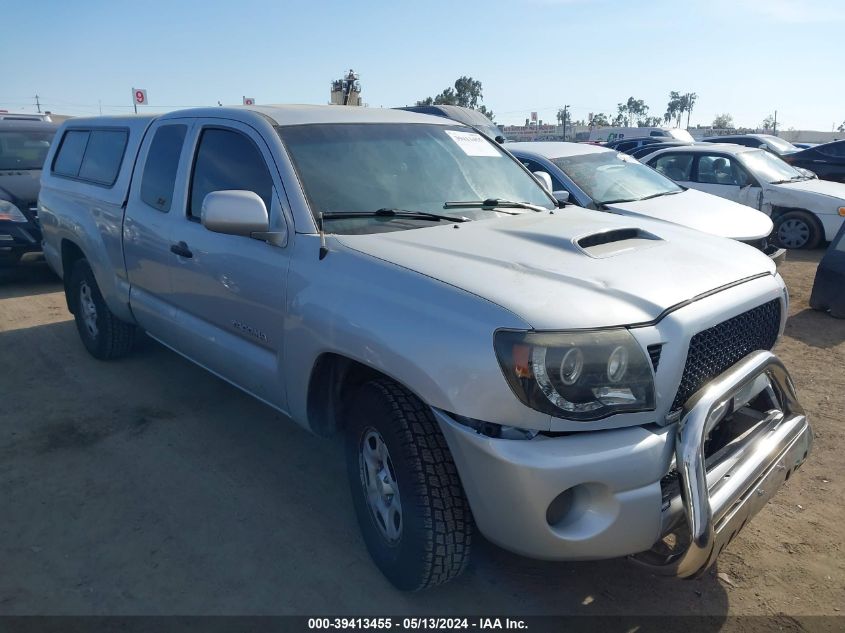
715 495
606 494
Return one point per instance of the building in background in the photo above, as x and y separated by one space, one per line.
347 90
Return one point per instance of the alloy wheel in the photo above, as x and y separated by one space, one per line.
89 309
378 477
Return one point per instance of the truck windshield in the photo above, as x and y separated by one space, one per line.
613 177
24 150
360 168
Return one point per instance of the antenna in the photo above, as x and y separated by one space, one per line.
324 250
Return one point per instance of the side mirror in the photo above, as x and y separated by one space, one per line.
544 179
562 197
235 213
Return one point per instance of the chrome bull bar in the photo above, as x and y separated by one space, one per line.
717 496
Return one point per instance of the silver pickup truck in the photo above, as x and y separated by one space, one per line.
578 385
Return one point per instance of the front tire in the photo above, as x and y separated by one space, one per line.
103 334
408 498
797 229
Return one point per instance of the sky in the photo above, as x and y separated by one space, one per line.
747 58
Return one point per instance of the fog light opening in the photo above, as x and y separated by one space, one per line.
560 507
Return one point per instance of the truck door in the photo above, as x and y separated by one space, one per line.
155 197
229 290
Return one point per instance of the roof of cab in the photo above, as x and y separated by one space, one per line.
709 148
307 114
551 149
132 121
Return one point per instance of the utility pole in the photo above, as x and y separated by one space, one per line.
775 124
38 104
565 117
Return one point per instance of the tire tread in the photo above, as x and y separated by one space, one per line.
442 503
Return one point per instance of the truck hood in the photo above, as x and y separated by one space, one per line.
533 266
703 212
824 192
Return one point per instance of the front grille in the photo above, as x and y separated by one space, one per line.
715 349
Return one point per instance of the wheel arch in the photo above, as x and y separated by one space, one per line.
71 253
333 379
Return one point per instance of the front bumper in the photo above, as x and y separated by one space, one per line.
717 496
19 242
613 483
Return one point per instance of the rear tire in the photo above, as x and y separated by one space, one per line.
797 229
408 498
103 334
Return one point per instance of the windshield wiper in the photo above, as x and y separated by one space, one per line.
620 200
657 195
391 213
648 197
492 204
785 180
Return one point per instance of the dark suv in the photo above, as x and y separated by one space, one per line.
23 147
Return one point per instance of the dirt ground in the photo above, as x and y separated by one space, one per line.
147 486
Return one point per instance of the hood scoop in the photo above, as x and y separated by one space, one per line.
616 241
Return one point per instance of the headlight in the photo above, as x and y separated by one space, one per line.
10 212
582 375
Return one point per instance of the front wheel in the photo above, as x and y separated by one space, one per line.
103 334
797 229
408 498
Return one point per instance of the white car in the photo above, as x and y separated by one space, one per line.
607 180
805 210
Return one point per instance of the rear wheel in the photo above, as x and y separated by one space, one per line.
103 334
797 229
408 499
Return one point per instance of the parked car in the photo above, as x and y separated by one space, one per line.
648 149
23 146
768 142
805 145
578 385
5 115
603 179
627 145
827 161
827 291
467 116
805 210
608 134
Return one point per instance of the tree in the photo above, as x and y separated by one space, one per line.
561 116
673 108
841 127
488 113
723 121
688 105
466 93
650 121
768 123
678 104
600 120
632 109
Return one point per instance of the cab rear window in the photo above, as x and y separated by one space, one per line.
91 155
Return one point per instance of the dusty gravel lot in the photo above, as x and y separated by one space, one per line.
147 486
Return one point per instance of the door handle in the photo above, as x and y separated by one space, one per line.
181 249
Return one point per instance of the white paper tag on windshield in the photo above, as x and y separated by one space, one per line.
473 143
